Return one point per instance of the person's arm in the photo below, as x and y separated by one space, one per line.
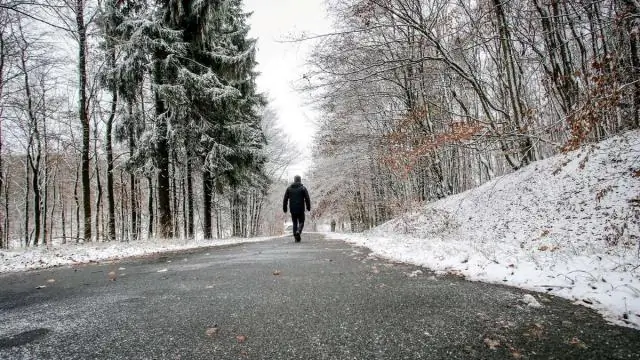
286 200
307 201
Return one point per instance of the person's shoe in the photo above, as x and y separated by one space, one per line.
297 237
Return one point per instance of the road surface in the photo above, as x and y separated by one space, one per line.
319 299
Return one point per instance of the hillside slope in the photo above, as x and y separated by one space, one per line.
566 225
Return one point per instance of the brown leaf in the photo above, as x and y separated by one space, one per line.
212 331
536 331
244 353
241 338
543 248
515 353
577 343
276 272
491 344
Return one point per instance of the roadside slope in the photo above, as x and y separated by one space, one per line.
566 225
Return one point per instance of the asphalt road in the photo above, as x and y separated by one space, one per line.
318 299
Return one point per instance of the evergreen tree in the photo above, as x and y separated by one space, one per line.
207 100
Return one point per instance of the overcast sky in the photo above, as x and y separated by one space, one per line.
280 64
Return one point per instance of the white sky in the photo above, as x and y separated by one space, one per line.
281 64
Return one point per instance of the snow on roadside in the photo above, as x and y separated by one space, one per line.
565 225
70 254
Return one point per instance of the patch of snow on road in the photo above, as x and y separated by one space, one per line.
567 225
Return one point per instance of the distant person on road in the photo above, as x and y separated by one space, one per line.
297 197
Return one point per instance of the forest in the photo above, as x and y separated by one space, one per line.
422 99
125 120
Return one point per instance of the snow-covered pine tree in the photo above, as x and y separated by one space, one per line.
205 98
127 44
237 132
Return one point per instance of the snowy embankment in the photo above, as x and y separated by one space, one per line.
567 225
72 254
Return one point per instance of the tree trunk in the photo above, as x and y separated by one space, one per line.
165 224
174 193
84 118
190 224
26 207
63 215
77 200
4 244
6 211
111 229
207 190
150 208
98 222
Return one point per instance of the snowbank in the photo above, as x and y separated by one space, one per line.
69 254
566 225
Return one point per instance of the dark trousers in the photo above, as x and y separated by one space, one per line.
298 222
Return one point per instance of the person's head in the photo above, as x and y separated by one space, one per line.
297 179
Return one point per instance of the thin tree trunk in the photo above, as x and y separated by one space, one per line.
123 210
84 118
77 200
26 208
183 190
45 200
98 221
133 197
150 208
111 229
162 162
7 229
207 191
190 223
174 191
63 215
4 244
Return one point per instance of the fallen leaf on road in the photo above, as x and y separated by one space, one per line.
112 276
163 270
212 331
515 353
41 287
414 273
535 331
244 353
122 268
491 344
276 272
577 343
51 280
241 338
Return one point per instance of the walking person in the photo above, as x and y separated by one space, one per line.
297 198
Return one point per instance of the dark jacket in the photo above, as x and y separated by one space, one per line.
297 197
